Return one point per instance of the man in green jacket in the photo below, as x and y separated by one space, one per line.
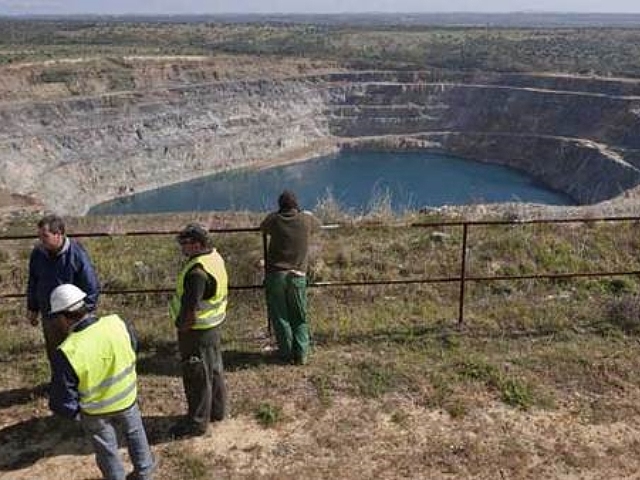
198 308
288 230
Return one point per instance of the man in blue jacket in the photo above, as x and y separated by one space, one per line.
56 260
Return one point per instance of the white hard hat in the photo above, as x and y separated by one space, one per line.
66 298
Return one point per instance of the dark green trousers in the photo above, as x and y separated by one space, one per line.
287 311
203 376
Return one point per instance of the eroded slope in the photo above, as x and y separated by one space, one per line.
76 133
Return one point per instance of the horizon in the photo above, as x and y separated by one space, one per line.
312 7
514 13
320 13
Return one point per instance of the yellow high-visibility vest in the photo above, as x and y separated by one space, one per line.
105 363
210 312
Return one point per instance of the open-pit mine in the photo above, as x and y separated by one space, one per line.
77 132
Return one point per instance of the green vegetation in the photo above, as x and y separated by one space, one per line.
533 346
187 464
268 415
407 334
582 50
386 359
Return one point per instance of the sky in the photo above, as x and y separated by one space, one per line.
154 7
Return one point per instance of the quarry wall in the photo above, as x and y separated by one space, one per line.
75 148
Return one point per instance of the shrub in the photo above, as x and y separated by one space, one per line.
374 380
516 393
623 312
268 415
478 371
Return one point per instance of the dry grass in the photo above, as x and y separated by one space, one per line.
542 382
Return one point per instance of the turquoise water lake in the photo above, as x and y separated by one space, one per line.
355 180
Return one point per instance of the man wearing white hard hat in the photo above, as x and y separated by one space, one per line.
94 381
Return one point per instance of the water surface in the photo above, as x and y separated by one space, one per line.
356 180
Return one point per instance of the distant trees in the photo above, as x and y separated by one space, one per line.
581 50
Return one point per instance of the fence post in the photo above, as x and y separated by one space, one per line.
463 272
264 276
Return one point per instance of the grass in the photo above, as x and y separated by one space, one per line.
394 386
268 415
374 380
384 355
324 386
187 465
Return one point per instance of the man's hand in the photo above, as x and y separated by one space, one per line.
188 320
185 326
33 318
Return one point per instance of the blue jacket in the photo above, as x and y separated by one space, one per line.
70 265
64 398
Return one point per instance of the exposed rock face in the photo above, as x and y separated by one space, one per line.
582 169
72 144
578 141
75 152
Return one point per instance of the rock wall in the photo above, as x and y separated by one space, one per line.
578 168
390 108
77 152
580 141
168 123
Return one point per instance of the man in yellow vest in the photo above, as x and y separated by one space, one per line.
197 309
94 381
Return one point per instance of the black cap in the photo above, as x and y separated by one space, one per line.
194 232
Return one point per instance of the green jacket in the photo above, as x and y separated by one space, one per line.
289 232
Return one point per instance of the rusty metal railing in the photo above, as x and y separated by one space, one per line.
462 279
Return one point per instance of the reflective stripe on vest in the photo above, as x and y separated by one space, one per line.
211 312
104 362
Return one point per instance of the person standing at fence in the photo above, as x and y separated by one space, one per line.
94 381
57 259
198 308
288 231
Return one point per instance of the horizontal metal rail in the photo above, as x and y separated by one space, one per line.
392 281
462 278
135 233
457 223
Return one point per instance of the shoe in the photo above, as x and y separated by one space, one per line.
187 429
41 390
282 358
136 476
147 476
303 360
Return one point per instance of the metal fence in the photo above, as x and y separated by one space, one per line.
462 279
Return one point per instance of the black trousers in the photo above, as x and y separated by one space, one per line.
53 337
203 376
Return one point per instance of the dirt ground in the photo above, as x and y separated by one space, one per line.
348 438
329 431
12 204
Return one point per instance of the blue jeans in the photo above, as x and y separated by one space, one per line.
102 429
